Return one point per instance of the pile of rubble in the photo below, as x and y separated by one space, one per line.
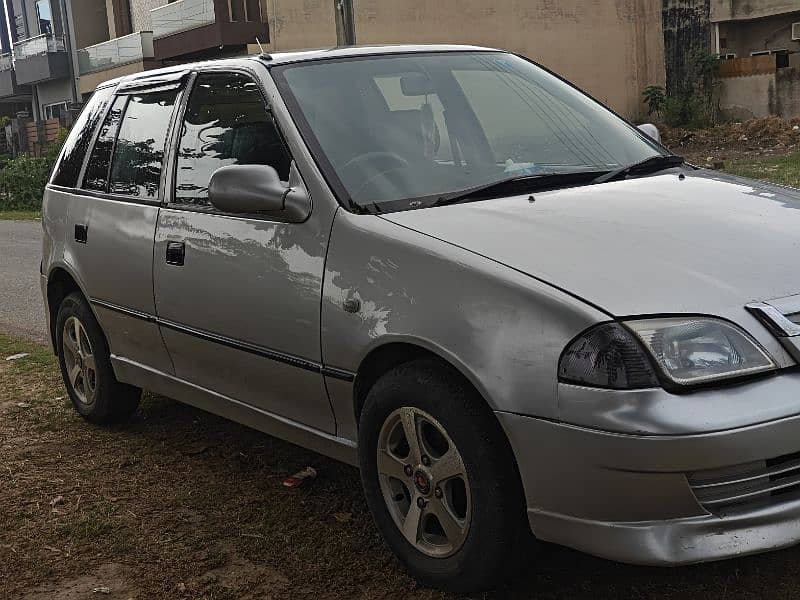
767 136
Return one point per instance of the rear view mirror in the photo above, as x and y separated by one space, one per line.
651 131
416 84
252 189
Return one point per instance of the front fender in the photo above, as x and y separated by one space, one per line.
501 328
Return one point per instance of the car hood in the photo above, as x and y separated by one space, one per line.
707 243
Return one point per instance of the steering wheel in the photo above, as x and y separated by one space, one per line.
389 176
376 156
356 165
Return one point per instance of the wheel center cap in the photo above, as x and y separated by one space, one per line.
422 482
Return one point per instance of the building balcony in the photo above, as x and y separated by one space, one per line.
746 10
190 27
40 58
9 90
8 83
120 56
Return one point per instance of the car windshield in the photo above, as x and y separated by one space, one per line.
392 131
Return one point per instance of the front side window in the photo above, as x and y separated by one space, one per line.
226 123
394 130
139 150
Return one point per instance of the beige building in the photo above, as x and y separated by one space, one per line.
612 49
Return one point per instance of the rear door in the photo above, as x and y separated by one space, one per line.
112 221
238 296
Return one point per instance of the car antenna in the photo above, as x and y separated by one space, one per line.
263 54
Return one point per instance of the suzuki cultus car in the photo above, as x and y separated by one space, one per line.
512 309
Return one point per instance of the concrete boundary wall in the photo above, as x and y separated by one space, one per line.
749 89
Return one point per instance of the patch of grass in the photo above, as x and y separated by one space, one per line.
38 356
20 215
784 170
31 379
177 496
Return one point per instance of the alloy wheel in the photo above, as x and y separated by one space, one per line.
79 360
424 482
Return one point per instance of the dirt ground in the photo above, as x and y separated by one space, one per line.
181 504
750 140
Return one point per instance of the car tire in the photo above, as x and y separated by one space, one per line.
486 504
86 366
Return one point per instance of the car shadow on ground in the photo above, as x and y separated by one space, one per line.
548 571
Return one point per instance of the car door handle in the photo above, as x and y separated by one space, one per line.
176 253
81 233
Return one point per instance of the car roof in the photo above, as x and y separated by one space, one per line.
378 49
294 56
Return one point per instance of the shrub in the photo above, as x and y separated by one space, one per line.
688 111
655 96
22 179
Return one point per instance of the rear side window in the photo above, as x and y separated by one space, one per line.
96 176
139 151
77 143
226 123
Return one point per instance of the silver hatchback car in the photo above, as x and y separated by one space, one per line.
513 310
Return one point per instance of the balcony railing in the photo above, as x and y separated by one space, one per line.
116 52
181 16
41 44
6 62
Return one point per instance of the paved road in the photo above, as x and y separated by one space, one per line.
21 307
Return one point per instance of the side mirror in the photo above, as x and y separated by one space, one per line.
252 189
651 131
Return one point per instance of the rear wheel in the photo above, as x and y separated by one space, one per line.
86 366
440 478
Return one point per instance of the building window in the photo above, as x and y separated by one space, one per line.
56 110
781 58
45 16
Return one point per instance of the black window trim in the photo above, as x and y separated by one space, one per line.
178 122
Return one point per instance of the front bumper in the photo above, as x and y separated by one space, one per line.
627 497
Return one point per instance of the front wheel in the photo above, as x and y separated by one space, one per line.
440 478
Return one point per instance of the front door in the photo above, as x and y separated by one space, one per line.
238 297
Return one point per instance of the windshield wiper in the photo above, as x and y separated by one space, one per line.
657 162
525 183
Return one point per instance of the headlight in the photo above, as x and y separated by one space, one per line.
686 351
701 349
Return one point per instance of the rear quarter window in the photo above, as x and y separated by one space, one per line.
77 143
